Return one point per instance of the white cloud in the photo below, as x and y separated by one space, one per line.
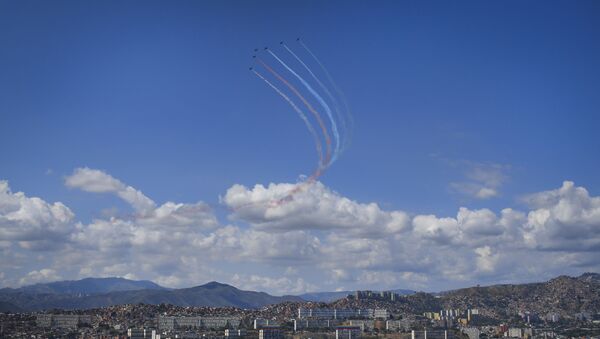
31 221
315 240
97 181
563 219
314 207
43 275
483 180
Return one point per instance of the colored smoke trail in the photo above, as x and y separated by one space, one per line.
310 127
308 105
331 97
349 119
334 129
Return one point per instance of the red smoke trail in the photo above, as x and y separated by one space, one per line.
311 129
310 108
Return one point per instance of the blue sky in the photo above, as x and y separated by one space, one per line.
448 98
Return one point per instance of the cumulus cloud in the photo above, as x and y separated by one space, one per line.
314 207
567 219
43 275
32 221
316 240
97 181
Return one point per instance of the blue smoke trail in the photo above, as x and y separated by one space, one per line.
310 127
321 101
350 120
326 90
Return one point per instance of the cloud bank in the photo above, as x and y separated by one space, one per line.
318 240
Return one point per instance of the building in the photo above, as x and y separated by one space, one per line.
63 320
347 332
220 322
514 332
270 332
142 334
261 322
402 325
380 313
235 333
332 313
471 332
430 335
364 325
383 295
306 324
213 323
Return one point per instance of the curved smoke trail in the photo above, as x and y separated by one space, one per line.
307 104
331 97
337 89
321 101
309 126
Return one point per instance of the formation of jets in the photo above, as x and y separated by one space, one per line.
266 48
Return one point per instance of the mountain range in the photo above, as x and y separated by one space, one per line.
93 293
563 295
86 286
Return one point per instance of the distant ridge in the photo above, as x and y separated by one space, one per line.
86 286
41 297
563 295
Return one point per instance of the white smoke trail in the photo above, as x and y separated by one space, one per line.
340 116
302 116
349 118
321 101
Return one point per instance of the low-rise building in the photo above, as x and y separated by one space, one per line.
307 324
239 333
364 325
62 320
261 322
347 332
270 332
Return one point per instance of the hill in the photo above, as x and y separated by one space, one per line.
563 295
6 307
212 294
85 286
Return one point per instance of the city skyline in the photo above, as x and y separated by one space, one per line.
137 144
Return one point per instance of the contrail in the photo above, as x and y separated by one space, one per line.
331 97
307 104
350 120
310 127
321 101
